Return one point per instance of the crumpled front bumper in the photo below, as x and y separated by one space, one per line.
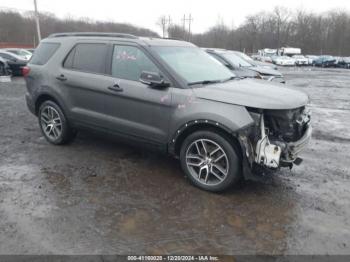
291 153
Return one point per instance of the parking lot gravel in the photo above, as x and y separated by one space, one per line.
97 196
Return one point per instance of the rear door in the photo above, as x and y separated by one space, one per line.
84 83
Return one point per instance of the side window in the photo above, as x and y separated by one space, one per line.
68 62
128 62
87 58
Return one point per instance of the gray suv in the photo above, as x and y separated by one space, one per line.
169 95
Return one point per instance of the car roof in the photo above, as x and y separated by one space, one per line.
12 48
221 51
216 50
6 52
149 41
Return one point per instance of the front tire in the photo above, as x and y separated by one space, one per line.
210 161
54 125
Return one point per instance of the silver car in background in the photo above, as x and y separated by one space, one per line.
242 66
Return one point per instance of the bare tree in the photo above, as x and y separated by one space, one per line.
20 28
326 33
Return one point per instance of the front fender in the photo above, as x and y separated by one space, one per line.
232 117
191 112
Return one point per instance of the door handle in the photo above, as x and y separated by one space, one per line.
61 77
115 88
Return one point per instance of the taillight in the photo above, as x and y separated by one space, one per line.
25 71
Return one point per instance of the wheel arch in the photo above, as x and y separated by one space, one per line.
201 124
45 97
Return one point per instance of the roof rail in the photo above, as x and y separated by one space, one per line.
93 34
209 49
173 38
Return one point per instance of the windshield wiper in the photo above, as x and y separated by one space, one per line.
204 82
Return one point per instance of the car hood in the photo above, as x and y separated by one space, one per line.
265 71
244 72
253 93
263 64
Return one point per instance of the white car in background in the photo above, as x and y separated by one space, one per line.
300 60
284 61
24 54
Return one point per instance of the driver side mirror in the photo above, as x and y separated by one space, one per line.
153 79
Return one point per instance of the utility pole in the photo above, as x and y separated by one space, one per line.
189 20
37 21
184 22
184 27
169 22
165 22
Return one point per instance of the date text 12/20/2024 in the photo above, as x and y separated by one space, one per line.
173 258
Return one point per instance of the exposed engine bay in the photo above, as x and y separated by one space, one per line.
278 137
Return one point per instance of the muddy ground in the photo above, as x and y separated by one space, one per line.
101 197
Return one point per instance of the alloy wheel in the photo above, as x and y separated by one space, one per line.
207 162
51 122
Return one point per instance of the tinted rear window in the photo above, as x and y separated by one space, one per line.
43 53
87 58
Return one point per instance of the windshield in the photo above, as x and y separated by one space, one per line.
245 57
25 53
236 60
193 64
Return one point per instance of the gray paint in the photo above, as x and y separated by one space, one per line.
144 113
253 93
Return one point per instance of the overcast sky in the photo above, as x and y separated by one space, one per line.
144 13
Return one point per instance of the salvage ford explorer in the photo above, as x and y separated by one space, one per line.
169 95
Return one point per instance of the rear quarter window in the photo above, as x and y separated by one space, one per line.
87 57
43 53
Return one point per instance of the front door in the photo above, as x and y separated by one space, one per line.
136 109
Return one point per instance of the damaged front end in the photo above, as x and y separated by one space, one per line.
276 138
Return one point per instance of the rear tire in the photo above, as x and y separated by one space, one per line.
54 124
210 161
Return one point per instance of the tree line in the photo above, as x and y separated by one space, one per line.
326 33
20 28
